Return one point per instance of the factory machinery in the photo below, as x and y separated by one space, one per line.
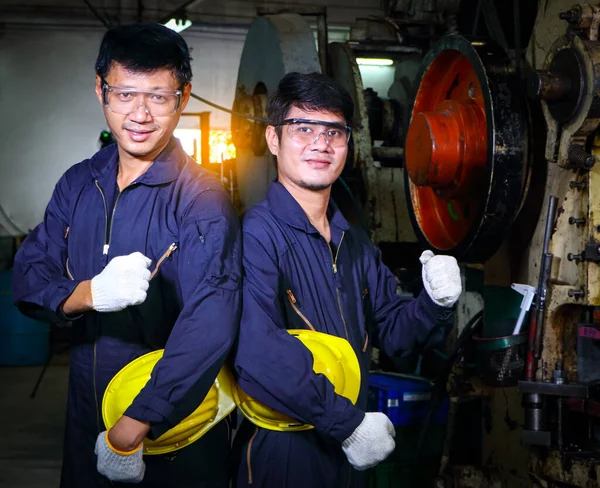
483 153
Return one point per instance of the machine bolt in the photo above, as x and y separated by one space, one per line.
471 90
439 483
576 220
572 16
580 185
579 158
574 257
557 374
573 293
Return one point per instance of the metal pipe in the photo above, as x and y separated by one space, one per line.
545 268
101 18
323 39
549 86
224 109
517 27
204 137
383 49
386 153
559 430
534 419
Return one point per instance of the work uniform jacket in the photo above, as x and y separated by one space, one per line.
178 215
293 279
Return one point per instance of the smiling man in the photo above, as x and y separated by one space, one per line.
305 267
140 248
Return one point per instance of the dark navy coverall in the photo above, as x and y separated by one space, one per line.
294 280
178 215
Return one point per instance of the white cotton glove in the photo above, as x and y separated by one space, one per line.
123 282
441 278
371 442
123 467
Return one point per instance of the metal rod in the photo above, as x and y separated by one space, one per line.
101 18
387 152
517 27
476 21
550 222
544 277
220 107
383 49
559 430
493 24
204 137
323 39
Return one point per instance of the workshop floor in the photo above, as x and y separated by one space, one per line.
32 428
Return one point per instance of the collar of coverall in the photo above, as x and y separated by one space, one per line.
166 167
286 208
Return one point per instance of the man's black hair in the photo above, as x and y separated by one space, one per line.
309 92
145 48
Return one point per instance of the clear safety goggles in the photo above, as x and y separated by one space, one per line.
126 101
308 131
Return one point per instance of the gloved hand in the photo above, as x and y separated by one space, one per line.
371 442
122 283
441 278
118 466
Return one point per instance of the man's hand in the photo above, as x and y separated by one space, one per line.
127 434
80 300
371 442
441 278
122 283
116 465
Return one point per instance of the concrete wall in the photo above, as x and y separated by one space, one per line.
51 118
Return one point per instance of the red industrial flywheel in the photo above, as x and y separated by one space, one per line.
466 155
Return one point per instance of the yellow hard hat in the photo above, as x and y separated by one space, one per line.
333 357
130 380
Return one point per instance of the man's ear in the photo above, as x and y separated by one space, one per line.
185 98
98 90
272 140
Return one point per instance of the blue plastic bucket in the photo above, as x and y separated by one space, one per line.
23 341
404 400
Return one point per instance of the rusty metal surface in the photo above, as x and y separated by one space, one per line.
373 30
344 69
574 283
471 477
275 45
587 120
503 416
593 225
553 469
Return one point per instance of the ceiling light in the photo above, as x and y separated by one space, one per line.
374 61
178 25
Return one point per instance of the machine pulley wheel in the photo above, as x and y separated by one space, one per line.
275 45
466 149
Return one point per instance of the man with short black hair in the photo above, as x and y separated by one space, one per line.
140 248
305 267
